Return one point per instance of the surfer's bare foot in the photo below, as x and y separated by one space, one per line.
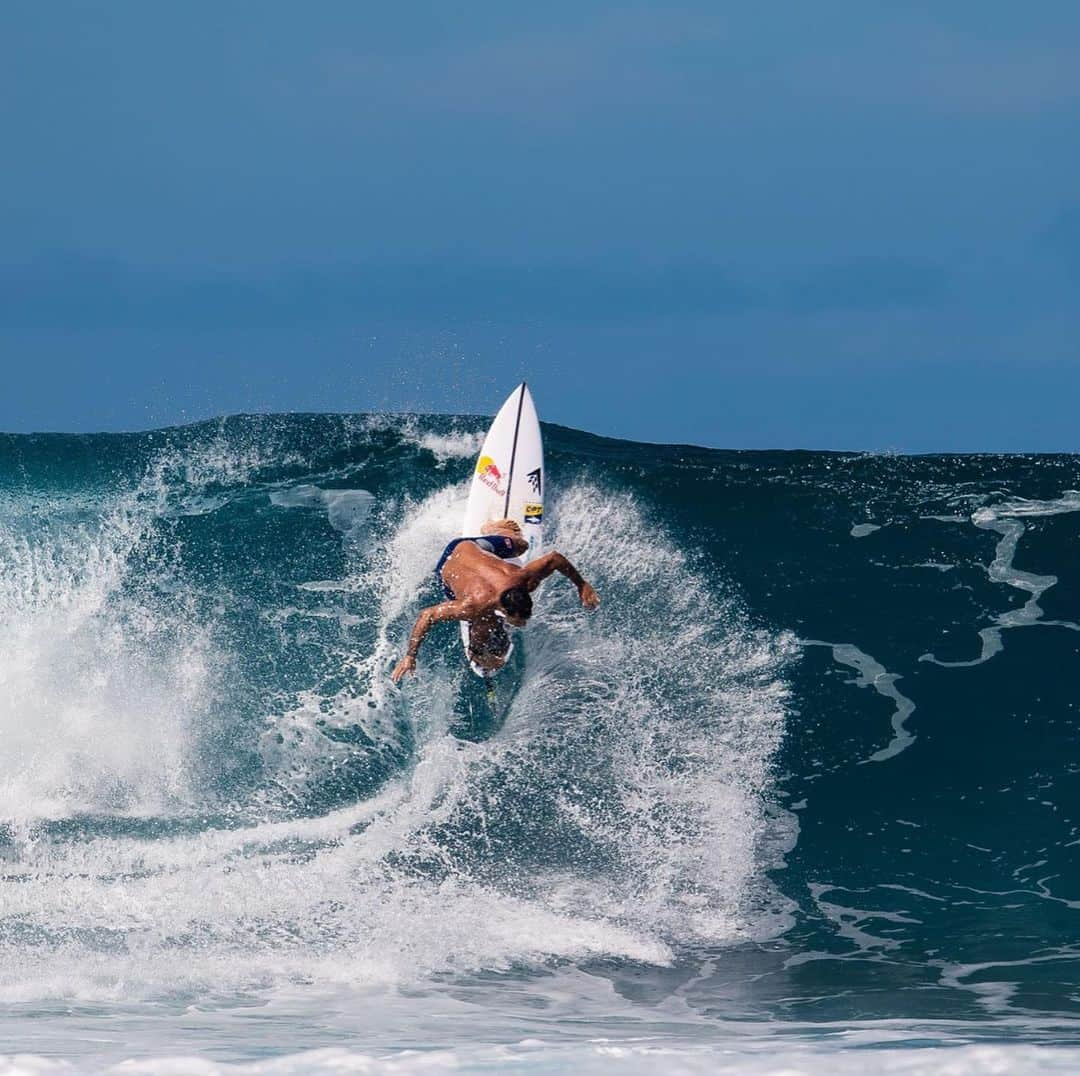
405 666
589 598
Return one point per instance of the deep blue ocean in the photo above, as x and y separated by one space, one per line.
802 796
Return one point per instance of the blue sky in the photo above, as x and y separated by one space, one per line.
838 225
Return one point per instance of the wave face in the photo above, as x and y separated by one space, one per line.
812 764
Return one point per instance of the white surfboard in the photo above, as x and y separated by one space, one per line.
508 480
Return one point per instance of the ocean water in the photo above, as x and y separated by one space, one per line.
802 796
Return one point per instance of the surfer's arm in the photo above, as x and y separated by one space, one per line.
542 567
454 610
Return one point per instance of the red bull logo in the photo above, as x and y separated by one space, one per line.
487 470
487 466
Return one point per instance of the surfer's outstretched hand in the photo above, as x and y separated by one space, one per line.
589 598
405 666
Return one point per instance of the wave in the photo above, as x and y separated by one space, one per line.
678 816
212 761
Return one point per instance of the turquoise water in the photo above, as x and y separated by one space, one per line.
804 787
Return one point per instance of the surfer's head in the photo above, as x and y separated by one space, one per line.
509 528
515 604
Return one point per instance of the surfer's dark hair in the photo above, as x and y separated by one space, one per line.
517 601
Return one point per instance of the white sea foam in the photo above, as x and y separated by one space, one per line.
1004 518
98 694
861 530
732 1057
347 510
451 446
873 674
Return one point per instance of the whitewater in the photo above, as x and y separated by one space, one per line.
800 797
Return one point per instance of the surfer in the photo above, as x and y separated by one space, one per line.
487 592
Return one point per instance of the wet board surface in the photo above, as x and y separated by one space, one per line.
508 480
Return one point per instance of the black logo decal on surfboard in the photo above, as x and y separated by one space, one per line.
534 481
